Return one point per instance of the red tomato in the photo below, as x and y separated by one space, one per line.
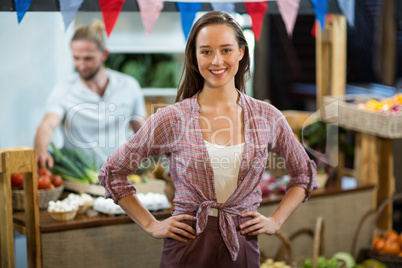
44 182
57 180
17 179
44 172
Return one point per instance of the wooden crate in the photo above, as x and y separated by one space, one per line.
153 185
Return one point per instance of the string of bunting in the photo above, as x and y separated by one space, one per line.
150 10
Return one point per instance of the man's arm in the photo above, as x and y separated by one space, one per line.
135 125
43 138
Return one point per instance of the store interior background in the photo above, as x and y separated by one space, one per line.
37 54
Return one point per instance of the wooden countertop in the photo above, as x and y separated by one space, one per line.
48 225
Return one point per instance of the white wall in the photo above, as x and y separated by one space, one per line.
33 56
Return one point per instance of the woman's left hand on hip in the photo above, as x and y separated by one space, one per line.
259 224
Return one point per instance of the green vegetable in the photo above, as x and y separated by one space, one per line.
346 257
322 262
74 165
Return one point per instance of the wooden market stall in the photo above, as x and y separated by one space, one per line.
373 152
102 240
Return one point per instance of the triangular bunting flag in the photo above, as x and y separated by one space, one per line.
150 10
320 10
227 7
187 13
68 10
22 6
348 9
110 12
288 10
313 30
257 11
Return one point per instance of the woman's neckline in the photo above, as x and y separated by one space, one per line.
223 146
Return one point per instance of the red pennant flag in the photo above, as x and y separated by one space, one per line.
257 11
110 12
313 30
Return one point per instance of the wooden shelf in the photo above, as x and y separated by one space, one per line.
156 92
48 225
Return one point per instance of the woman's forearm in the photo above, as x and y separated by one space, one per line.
294 196
171 227
137 212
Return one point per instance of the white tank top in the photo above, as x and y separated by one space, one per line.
225 162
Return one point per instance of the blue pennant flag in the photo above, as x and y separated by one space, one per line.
348 9
320 10
68 10
22 6
227 7
187 13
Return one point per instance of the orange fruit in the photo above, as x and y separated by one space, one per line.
379 244
391 235
391 247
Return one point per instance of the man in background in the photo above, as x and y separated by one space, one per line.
95 107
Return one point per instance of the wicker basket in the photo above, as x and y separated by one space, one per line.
63 216
44 196
347 114
391 261
285 252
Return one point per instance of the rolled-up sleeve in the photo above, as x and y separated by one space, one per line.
302 170
153 138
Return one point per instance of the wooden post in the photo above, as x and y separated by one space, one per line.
331 57
331 67
19 160
338 55
6 217
386 185
369 159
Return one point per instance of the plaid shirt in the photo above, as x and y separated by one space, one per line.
174 132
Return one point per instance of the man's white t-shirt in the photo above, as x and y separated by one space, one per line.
98 125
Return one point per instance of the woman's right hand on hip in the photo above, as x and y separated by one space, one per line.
173 227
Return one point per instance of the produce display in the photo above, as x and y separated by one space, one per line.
84 201
62 210
65 205
345 257
270 184
46 180
74 165
392 105
322 262
388 243
152 201
68 208
342 260
270 263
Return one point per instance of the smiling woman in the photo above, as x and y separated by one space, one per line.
215 222
218 55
